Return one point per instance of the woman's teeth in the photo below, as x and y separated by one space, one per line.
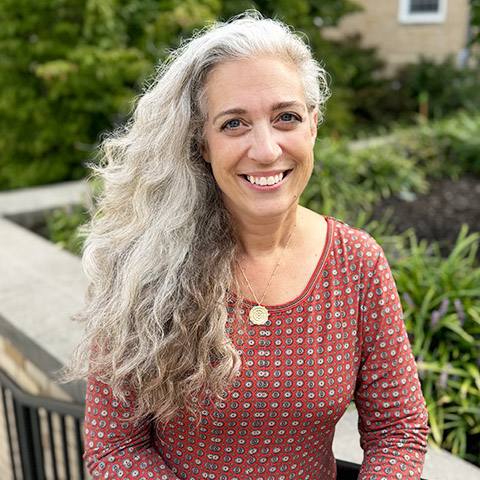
272 180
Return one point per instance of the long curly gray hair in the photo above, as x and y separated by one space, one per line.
161 248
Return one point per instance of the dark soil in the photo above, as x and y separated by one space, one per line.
439 214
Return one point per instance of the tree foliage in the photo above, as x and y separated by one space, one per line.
69 70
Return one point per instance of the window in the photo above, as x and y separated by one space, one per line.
422 11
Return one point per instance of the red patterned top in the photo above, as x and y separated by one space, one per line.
342 339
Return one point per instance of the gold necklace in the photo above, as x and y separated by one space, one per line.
259 314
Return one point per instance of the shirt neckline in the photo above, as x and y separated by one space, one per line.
306 291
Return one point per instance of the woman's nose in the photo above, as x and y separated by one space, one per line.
264 147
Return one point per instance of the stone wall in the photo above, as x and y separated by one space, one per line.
28 375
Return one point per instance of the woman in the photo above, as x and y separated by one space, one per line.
230 327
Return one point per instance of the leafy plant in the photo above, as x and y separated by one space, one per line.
349 179
446 148
70 70
441 301
445 87
346 182
475 20
435 89
63 227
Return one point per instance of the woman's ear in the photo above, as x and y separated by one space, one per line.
204 151
313 124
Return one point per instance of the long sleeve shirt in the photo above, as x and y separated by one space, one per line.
342 339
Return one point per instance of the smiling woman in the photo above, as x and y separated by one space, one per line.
227 329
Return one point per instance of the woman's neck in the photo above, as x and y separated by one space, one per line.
264 237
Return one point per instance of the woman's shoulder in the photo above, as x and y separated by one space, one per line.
353 239
338 228
335 237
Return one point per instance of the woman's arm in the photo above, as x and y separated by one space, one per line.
393 421
116 447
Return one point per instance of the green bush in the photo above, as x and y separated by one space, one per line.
441 301
63 227
475 21
70 70
435 89
444 87
346 182
446 148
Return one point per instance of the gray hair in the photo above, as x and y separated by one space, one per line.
161 250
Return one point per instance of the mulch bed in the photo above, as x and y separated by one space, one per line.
439 214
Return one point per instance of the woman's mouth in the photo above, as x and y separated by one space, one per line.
267 180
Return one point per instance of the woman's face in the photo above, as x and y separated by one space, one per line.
259 136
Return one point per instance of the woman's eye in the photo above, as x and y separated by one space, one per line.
232 124
289 117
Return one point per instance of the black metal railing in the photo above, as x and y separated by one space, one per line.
44 435
347 470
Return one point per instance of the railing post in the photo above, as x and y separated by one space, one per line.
9 432
30 442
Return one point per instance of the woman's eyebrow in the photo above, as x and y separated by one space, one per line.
230 111
287 104
275 106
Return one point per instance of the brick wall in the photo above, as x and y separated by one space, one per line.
399 43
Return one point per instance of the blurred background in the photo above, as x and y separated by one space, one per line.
398 155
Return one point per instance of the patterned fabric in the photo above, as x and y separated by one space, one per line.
342 339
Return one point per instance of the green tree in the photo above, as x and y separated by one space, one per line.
70 70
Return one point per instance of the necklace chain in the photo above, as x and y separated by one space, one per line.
259 314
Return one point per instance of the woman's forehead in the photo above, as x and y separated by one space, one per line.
246 83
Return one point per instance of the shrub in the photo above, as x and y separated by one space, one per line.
444 87
447 148
63 227
366 99
71 70
346 182
435 89
441 301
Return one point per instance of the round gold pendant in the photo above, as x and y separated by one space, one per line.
258 315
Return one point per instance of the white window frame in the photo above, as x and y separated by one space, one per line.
406 16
